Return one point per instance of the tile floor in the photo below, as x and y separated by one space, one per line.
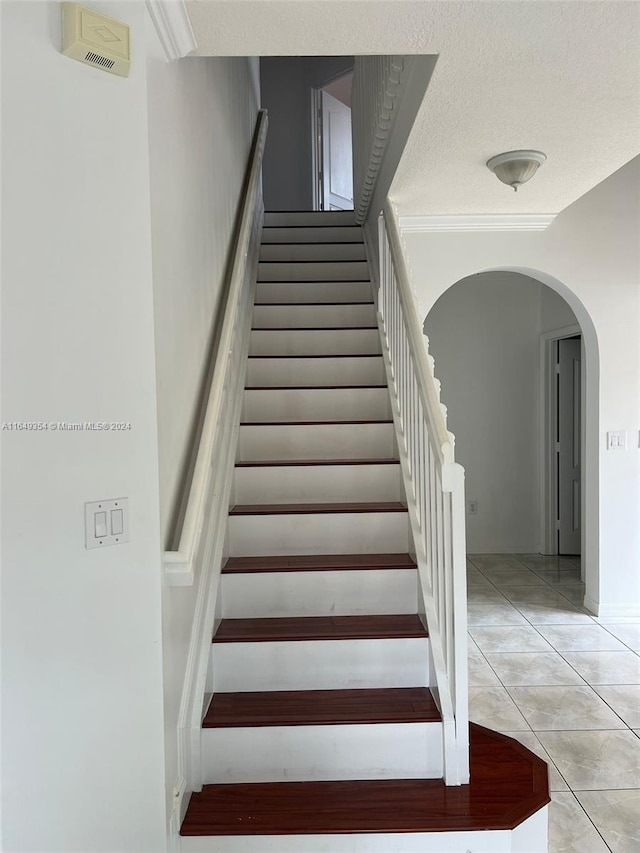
566 685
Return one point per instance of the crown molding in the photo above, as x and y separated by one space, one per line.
474 222
173 26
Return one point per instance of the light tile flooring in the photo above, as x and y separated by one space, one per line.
566 685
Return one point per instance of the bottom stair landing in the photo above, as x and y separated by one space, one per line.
502 810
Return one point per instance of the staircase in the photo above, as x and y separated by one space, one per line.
322 733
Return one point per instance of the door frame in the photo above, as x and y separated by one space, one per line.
317 193
548 418
316 147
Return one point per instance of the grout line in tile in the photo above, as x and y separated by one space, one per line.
589 819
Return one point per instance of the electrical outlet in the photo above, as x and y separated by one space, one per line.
472 507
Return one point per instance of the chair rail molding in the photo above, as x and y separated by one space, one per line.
476 222
173 26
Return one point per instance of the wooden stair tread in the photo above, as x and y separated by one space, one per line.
320 628
312 328
508 784
362 387
321 562
312 508
321 707
277 463
323 355
313 242
315 423
310 304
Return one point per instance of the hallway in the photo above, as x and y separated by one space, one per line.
566 685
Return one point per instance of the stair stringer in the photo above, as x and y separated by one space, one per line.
211 556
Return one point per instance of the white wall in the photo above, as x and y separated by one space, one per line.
591 255
555 312
484 334
286 84
202 114
82 766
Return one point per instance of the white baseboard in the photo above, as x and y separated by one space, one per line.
500 549
612 611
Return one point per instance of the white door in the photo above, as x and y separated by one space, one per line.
337 160
568 448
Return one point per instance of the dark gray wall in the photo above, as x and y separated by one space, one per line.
285 84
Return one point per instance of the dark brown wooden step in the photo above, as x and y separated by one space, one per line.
320 628
508 784
307 304
314 242
312 328
313 387
313 508
277 463
313 423
318 563
322 707
323 355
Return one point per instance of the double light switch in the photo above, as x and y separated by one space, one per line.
106 522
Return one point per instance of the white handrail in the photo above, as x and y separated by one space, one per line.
178 564
434 485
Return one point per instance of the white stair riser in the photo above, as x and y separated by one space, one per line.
313 271
322 752
317 441
320 664
312 316
343 593
323 291
313 251
309 533
313 218
320 483
364 370
498 841
315 342
317 404
328 234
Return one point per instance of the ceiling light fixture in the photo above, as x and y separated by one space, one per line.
516 167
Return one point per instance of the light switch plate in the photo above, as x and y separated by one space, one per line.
106 522
617 440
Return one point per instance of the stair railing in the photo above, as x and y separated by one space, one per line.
435 494
198 559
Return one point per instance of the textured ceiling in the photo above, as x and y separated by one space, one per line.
561 77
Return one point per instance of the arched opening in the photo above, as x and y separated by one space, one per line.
497 337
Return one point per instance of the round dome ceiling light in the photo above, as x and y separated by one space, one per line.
516 167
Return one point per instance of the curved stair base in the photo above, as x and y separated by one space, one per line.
502 810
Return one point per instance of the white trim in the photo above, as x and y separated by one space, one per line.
316 148
173 26
378 84
606 612
178 569
476 222
547 408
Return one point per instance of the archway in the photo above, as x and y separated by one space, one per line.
514 302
